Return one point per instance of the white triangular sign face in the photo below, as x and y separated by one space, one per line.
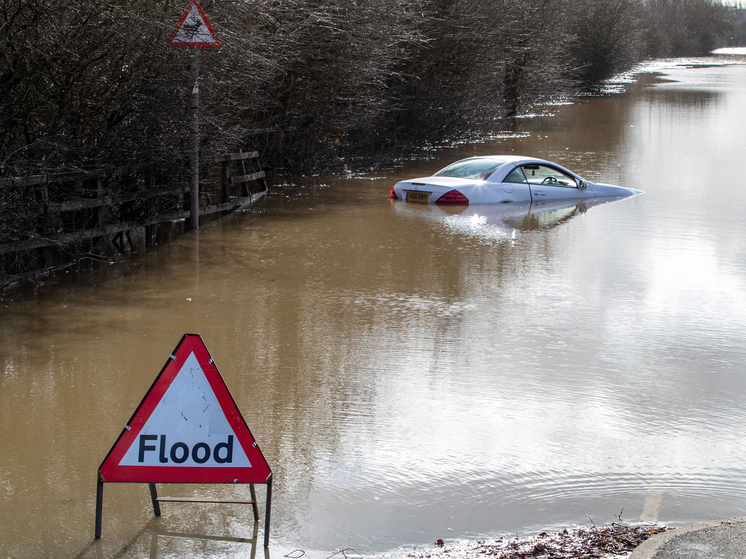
187 428
194 30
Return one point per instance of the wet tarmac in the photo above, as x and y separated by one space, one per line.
723 539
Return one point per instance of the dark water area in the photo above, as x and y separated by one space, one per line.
412 374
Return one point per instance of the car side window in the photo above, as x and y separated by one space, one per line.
516 175
548 176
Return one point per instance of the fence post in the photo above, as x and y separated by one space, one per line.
46 253
224 182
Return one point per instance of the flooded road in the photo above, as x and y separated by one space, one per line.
413 375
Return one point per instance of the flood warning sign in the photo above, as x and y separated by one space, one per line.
187 429
193 29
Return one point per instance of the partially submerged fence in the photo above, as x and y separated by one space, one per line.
52 221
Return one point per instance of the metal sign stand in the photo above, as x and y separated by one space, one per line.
156 500
157 508
189 405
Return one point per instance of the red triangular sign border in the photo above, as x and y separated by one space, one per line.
175 43
112 471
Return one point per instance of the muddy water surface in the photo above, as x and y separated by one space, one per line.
413 375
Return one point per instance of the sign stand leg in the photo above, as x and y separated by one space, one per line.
99 506
253 502
154 498
266 518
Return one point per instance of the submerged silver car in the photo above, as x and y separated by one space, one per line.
499 179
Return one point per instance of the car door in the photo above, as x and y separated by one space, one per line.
513 188
550 183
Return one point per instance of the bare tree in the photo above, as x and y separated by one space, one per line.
313 83
608 38
684 27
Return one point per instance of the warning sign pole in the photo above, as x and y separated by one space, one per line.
195 31
187 429
194 141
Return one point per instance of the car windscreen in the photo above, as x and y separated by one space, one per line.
475 168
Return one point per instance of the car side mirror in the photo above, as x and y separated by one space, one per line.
582 184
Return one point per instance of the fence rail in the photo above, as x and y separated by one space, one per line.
34 180
50 220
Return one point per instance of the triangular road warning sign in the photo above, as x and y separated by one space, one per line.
187 429
193 30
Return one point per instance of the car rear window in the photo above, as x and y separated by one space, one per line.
475 168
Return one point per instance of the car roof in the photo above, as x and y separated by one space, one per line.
511 158
522 159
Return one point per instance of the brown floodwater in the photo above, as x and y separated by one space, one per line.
411 374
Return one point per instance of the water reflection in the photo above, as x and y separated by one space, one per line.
499 221
158 539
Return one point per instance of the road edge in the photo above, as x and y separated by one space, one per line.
648 548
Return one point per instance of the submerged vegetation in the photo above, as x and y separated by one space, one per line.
312 84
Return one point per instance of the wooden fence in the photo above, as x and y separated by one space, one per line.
50 221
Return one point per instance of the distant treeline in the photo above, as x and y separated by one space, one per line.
312 84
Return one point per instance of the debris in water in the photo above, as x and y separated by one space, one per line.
613 541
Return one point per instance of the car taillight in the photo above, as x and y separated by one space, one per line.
453 197
393 194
